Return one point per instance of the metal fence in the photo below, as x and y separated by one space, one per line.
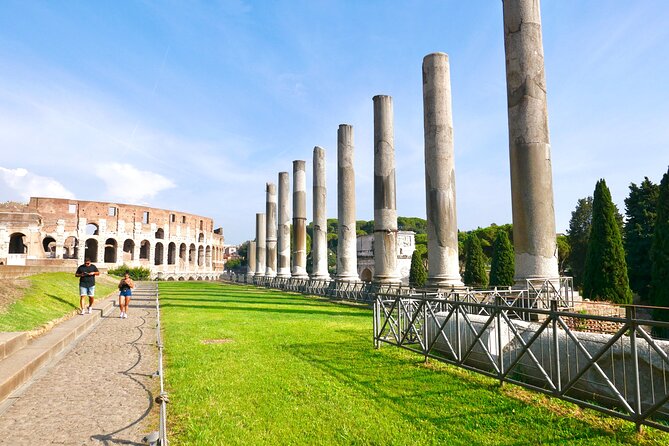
621 370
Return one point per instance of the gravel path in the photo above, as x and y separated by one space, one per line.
99 393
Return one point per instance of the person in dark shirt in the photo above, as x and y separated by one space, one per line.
125 287
86 274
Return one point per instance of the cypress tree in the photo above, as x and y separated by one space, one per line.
578 236
502 265
417 273
640 208
659 252
475 273
605 276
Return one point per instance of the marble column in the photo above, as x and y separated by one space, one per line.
385 207
283 242
319 240
261 245
270 232
534 236
442 226
347 256
299 270
251 258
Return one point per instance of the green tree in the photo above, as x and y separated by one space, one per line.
578 236
233 264
659 251
640 208
605 275
417 273
502 264
475 264
243 252
564 251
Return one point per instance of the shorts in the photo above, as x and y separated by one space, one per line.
87 291
127 293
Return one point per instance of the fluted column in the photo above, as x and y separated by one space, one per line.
442 226
283 242
251 260
319 241
347 256
534 236
270 232
299 269
261 244
385 208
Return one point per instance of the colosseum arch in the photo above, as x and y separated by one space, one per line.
92 229
158 256
91 251
128 250
207 256
171 253
71 248
49 245
17 243
200 238
200 256
183 255
160 234
110 250
191 254
144 248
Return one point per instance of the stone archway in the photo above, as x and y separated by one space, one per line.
158 256
91 250
71 248
128 250
366 275
171 253
110 250
49 245
17 243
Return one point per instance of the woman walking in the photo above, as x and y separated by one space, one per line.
125 287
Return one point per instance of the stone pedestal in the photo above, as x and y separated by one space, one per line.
283 242
299 269
347 260
251 258
534 235
442 226
385 208
261 244
319 241
270 231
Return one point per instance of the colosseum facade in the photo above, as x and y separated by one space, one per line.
53 231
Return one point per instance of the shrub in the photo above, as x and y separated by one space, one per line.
136 272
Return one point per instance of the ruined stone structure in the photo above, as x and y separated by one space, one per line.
173 245
270 231
347 263
529 145
319 250
299 269
283 243
261 259
405 247
442 226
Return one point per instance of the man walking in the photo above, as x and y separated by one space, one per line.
86 274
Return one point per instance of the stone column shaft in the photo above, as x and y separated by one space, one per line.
270 232
299 269
319 241
283 242
347 256
534 236
251 258
442 226
385 207
261 244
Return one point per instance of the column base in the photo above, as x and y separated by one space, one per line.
444 282
321 277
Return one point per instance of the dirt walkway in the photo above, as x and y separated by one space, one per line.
99 393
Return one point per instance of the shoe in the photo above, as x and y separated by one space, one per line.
82 312
89 310
120 315
125 315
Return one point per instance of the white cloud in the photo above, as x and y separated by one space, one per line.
128 184
19 184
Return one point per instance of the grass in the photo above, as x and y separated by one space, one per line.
282 369
47 297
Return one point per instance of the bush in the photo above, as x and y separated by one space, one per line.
136 272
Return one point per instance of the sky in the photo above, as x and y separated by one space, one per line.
194 106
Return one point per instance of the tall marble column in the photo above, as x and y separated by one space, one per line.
534 236
261 244
283 242
319 241
347 256
251 258
270 232
442 226
385 207
299 270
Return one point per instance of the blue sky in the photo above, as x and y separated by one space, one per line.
193 106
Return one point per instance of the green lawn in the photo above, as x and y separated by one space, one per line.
301 371
47 297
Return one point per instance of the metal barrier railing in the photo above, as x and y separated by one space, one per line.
621 370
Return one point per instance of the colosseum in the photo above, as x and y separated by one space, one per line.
61 232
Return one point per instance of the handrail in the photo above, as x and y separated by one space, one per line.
159 438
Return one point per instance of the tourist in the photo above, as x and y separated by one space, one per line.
125 287
86 274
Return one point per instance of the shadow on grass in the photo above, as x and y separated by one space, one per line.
263 309
60 299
